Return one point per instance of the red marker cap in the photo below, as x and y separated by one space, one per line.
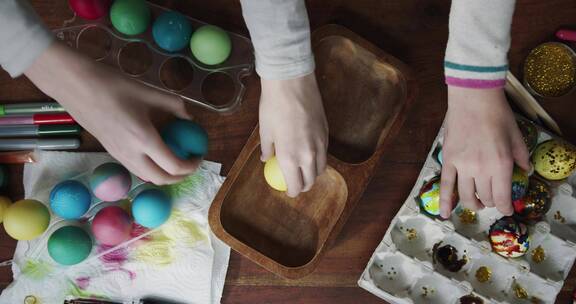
53 119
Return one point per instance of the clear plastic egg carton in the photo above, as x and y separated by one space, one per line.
37 249
218 88
402 268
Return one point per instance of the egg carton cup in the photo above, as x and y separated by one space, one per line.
402 269
219 88
37 249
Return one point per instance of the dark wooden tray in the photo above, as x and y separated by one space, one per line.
366 93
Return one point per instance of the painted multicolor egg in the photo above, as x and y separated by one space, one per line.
471 299
554 159
534 205
519 183
509 237
447 256
429 197
110 182
437 155
70 199
529 133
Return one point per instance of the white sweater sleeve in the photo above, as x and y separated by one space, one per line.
280 33
23 37
476 55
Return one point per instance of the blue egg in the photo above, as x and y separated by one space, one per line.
70 199
172 31
186 138
151 208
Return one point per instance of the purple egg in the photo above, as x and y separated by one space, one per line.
110 182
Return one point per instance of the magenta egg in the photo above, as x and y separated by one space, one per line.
112 226
90 9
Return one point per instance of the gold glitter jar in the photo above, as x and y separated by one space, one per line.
550 70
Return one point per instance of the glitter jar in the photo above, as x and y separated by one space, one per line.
550 70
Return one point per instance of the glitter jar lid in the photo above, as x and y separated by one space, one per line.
550 70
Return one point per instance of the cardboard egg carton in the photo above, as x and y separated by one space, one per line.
402 269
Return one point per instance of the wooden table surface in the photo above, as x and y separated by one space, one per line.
415 31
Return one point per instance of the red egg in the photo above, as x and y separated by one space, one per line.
112 225
90 9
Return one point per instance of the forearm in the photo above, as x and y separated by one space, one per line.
280 32
476 54
23 36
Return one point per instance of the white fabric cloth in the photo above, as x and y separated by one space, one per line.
182 261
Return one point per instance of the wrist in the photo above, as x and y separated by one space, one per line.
59 71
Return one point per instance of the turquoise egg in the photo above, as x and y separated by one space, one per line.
70 199
69 245
172 31
151 208
186 138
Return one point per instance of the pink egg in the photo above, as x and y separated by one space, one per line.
90 9
112 225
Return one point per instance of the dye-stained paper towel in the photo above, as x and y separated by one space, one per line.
182 261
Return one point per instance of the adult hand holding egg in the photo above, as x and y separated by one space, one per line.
117 110
293 128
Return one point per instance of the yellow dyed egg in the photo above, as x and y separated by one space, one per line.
273 175
554 160
4 204
26 219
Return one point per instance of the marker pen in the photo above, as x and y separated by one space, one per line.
42 144
38 130
566 35
38 119
30 108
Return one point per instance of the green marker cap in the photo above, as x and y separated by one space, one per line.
59 130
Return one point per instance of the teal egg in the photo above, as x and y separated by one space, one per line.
186 138
151 208
130 17
69 245
172 31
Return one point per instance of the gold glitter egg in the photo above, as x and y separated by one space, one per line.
554 160
550 69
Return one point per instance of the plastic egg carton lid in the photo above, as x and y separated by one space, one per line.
37 251
216 87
